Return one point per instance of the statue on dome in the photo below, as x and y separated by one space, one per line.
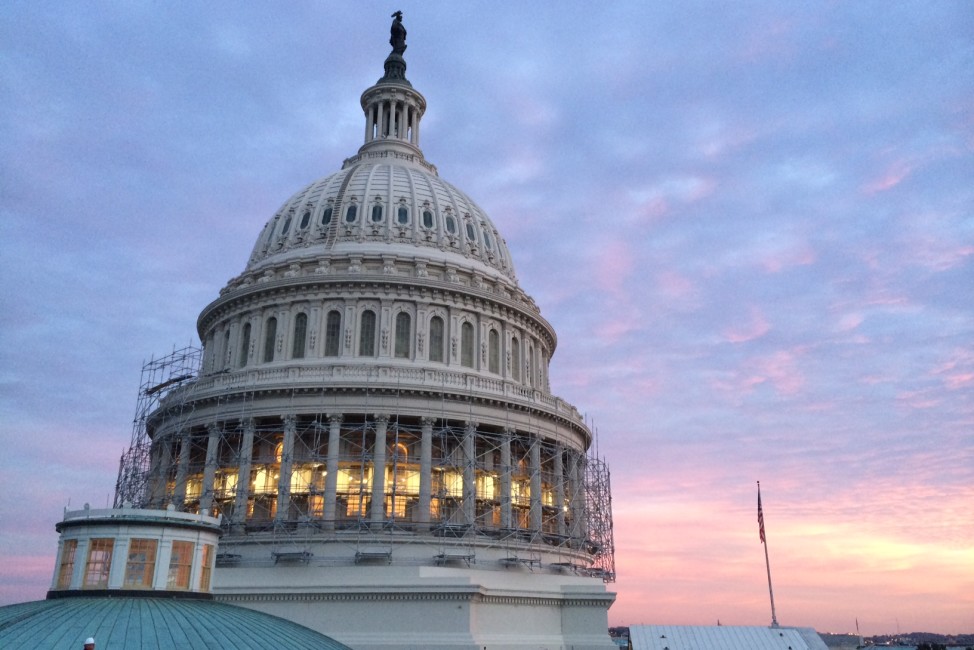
398 38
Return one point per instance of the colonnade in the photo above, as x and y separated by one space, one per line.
336 471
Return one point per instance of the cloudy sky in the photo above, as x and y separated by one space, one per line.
751 223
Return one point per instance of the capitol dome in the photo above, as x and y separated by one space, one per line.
372 417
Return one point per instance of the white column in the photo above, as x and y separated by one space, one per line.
209 469
506 479
377 508
536 484
287 460
469 475
331 467
182 470
379 118
559 479
425 472
243 478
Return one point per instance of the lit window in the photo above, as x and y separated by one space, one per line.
206 568
141 564
300 334
402 335
244 345
427 219
326 216
466 345
402 216
436 339
66 569
270 336
494 351
333 333
351 214
366 345
99 563
305 219
180 565
376 213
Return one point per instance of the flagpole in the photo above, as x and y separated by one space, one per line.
767 563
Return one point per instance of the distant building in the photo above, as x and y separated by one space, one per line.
372 417
723 637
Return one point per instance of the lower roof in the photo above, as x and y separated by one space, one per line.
150 623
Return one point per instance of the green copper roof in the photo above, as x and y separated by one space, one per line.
150 624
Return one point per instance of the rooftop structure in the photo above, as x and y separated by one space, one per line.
723 637
371 416
131 578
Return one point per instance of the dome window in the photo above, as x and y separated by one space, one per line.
244 345
466 345
326 216
451 224
487 241
376 213
270 336
351 214
427 219
287 226
305 219
402 215
494 352
436 339
333 333
471 233
366 344
402 335
300 335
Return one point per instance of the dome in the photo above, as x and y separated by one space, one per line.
371 415
382 204
150 623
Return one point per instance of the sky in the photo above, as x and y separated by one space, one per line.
751 224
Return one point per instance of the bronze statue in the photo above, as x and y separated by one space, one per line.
398 38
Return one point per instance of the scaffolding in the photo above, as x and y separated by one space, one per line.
159 376
280 480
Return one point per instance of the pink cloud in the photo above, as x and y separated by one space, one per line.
673 285
755 328
892 176
613 266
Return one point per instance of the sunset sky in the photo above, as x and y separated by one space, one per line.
750 223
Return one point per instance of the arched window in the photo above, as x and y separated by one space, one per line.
300 335
451 224
244 345
366 342
377 213
466 345
402 215
270 336
402 335
530 378
287 226
427 219
226 349
326 216
494 352
515 359
436 339
351 213
333 333
305 219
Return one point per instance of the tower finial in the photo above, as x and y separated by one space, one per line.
395 65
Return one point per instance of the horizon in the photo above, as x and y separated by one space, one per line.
750 227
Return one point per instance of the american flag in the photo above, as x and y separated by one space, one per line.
760 517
